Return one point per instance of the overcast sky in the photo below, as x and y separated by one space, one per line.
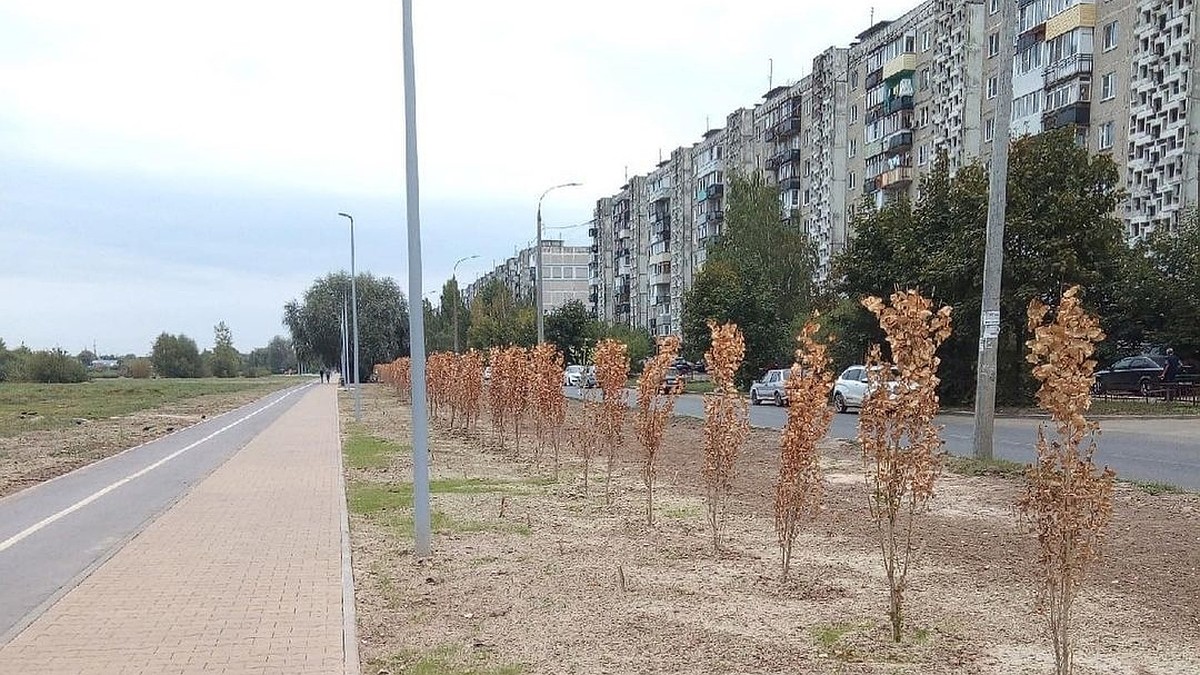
165 165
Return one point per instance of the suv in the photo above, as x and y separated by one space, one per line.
1137 373
772 387
574 376
852 387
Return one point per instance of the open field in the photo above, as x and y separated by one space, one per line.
530 575
50 429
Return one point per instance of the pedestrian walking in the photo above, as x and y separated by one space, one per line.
1171 367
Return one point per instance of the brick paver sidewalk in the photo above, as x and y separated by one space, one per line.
242 575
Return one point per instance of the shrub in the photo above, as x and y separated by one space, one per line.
52 367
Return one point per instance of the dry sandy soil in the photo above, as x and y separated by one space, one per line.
35 456
525 577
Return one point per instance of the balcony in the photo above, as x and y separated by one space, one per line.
625 232
872 80
897 104
1067 68
1078 114
899 142
592 232
792 183
897 178
904 63
788 127
790 156
713 191
712 217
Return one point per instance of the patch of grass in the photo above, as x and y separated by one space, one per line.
969 466
682 512
478 486
58 405
371 498
703 387
443 660
829 635
364 451
1156 489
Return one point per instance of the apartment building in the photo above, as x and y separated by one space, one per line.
565 269
870 118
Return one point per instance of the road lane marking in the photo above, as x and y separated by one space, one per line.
49 520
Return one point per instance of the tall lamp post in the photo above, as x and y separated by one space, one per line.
541 332
354 311
458 294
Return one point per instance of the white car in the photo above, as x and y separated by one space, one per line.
852 387
573 375
772 387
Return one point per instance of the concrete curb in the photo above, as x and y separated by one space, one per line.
349 618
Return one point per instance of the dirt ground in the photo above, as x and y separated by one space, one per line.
33 457
527 572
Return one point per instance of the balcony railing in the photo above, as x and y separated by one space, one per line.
789 156
899 142
1078 113
1067 68
896 178
792 183
897 104
787 127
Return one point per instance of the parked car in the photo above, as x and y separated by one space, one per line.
772 387
681 364
1140 374
672 382
701 366
573 376
852 387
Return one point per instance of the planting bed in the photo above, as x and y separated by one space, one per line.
530 575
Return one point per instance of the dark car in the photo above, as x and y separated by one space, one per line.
1141 373
683 366
672 382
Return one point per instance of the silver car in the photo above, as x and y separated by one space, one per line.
852 387
772 387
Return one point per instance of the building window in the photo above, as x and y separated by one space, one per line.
1104 136
854 113
993 44
851 183
926 39
853 79
853 147
1110 36
923 155
923 78
1108 86
992 86
989 128
993 6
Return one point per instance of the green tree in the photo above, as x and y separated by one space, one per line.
176 356
1157 304
498 319
639 345
382 320
573 329
6 361
758 274
86 357
226 361
1059 232
281 357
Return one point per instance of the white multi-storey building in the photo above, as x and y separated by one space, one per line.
871 118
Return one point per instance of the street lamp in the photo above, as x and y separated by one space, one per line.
354 310
458 295
541 333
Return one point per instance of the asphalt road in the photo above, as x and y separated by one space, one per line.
52 535
1157 450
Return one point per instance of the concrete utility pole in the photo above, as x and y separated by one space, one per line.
457 295
354 309
993 260
344 365
538 265
422 534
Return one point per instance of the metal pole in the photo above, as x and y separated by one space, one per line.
457 295
345 366
537 270
422 546
354 309
993 260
